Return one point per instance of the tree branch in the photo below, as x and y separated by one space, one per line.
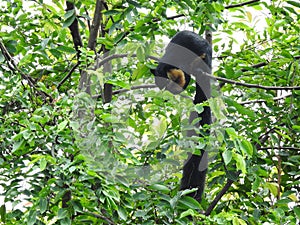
258 65
261 64
252 85
262 100
75 30
264 137
241 4
108 220
225 7
144 86
95 25
68 75
14 68
218 197
279 147
84 83
117 56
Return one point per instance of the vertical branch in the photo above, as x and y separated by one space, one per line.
279 169
84 79
107 67
75 30
107 94
208 37
95 25
66 197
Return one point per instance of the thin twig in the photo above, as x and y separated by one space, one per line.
68 75
258 65
241 4
226 7
218 197
264 137
263 101
144 86
108 220
252 85
279 147
14 68
117 56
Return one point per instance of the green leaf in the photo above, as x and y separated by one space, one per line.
43 205
44 42
247 148
294 3
1 58
230 72
19 145
256 214
159 127
240 162
140 53
186 213
3 213
279 212
238 221
139 72
65 221
113 194
232 175
297 211
62 213
106 41
134 3
69 13
66 49
68 22
43 164
190 202
159 187
241 109
217 106
26 59
199 108
188 191
272 187
122 213
109 118
227 156
119 83
256 184
61 126
32 218
57 54
231 132
235 221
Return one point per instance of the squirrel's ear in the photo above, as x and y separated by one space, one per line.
152 71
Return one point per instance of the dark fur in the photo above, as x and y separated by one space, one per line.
191 42
186 61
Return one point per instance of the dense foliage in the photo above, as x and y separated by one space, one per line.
79 147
